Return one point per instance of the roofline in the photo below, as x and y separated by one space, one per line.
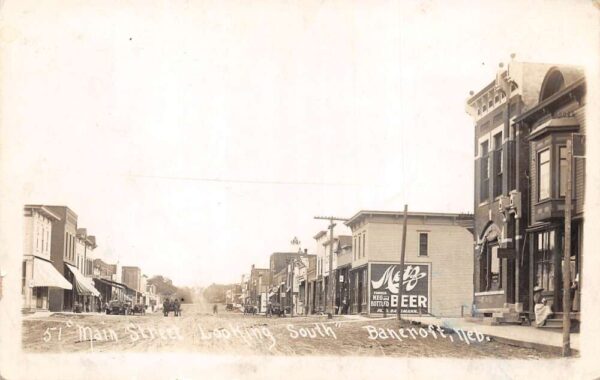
401 213
550 99
319 234
44 210
485 89
67 209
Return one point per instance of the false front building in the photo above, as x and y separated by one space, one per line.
438 272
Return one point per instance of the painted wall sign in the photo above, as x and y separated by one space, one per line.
385 283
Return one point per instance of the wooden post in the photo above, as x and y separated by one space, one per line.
402 252
566 268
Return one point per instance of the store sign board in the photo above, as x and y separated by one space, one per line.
385 285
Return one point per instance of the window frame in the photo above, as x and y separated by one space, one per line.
498 162
484 158
539 164
419 251
364 243
562 171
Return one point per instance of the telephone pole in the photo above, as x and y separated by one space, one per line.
329 294
402 253
566 268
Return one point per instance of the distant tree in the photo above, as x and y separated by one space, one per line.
215 293
163 285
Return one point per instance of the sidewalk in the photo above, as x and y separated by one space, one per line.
522 336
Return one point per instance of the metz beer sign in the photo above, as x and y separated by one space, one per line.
385 285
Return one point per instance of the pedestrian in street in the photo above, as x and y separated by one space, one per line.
215 309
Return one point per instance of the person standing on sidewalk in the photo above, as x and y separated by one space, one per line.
542 310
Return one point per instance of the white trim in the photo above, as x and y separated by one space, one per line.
494 132
490 293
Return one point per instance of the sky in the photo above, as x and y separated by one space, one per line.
196 138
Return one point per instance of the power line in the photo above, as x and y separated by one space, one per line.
243 181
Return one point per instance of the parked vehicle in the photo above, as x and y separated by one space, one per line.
229 307
138 308
118 307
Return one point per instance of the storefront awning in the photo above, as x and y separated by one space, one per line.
44 274
109 283
83 284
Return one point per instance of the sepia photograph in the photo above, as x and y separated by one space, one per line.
299 189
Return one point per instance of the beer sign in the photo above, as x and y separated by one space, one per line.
385 284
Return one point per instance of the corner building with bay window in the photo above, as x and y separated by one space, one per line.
523 119
438 271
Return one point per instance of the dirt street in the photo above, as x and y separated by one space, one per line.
199 330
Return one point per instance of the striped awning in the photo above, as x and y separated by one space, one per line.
44 274
83 284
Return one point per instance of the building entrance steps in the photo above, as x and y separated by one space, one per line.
549 340
509 314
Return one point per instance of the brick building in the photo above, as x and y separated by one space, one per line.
522 121
438 273
258 286
132 279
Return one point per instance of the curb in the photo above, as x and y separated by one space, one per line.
547 348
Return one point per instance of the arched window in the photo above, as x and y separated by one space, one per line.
553 83
490 265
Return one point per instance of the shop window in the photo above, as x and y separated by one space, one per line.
484 173
364 288
423 244
544 260
544 174
562 171
498 164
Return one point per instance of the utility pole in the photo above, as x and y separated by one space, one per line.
402 252
566 269
331 278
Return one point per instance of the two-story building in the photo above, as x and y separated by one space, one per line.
343 253
63 253
87 296
39 273
554 130
438 270
258 285
523 119
132 279
106 278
